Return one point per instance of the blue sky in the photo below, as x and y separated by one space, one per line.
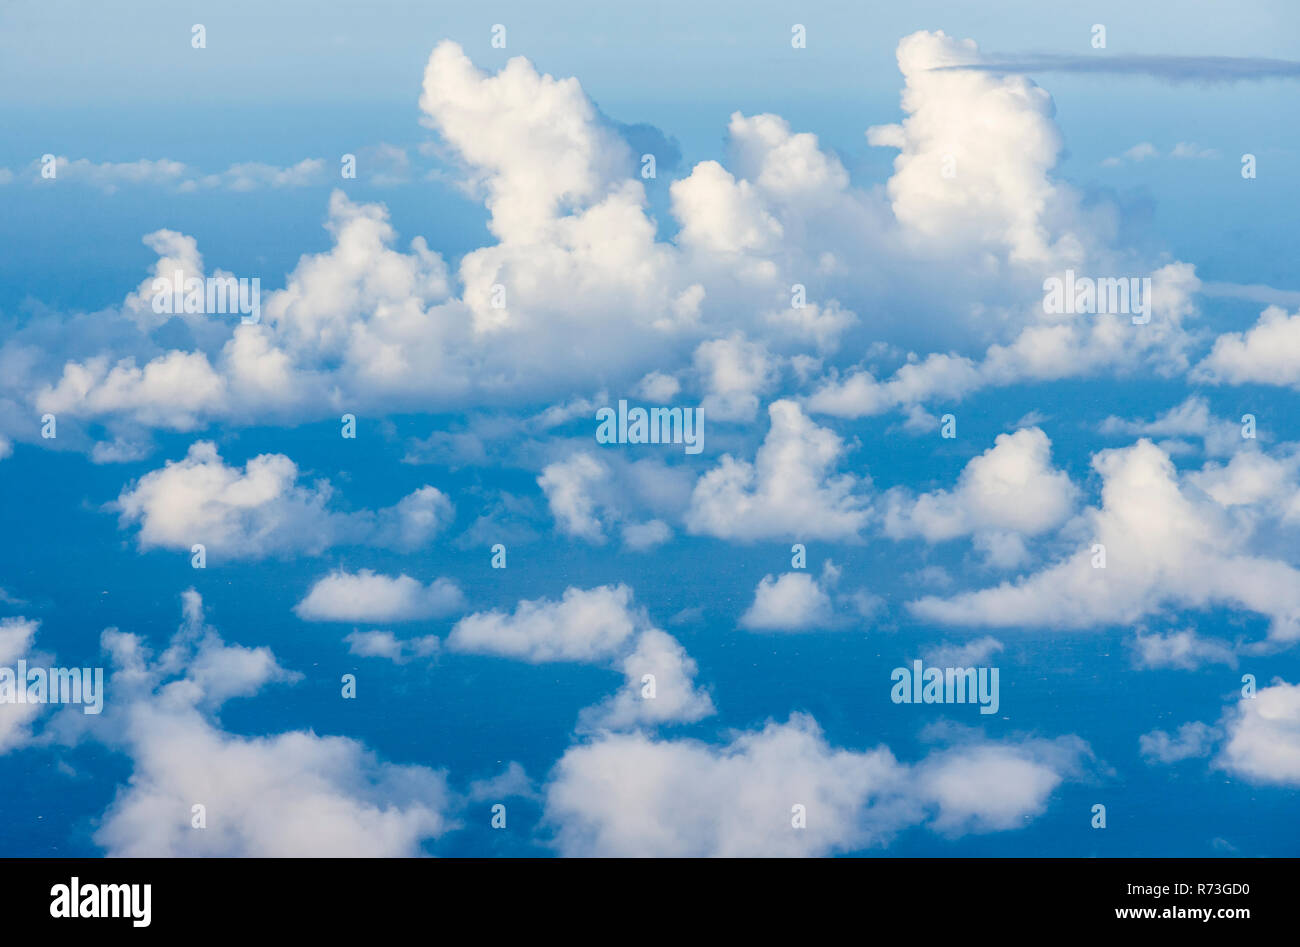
919 198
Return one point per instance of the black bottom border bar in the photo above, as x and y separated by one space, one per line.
337 895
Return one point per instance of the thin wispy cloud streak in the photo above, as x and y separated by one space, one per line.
1207 69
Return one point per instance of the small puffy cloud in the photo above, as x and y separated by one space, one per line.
793 602
1190 418
596 626
569 486
511 781
172 391
254 175
584 625
593 497
385 644
261 510
789 490
366 596
973 653
1268 353
1190 150
1192 740
16 638
1139 152
642 536
1181 649
659 387
993 787
660 688
1011 487
735 373
1263 736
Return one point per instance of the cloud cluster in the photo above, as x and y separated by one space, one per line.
739 798
262 510
366 596
596 626
281 794
1167 543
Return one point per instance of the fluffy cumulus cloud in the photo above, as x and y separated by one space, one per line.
294 793
366 596
774 252
1267 353
1010 488
596 626
794 601
791 488
660 688
739 798
568 485
1166 544
584 625
262 510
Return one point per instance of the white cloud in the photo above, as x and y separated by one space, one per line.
366 325
735 373
659 387
736 799
385 644
568 485
1263 736
1181 649
596 626
1166 546
789 490
673 698
366 596
108 176
793 602
647 535
1012 486
974 653
16 638
1190 418
261 510
585 625
1192 740
1267 353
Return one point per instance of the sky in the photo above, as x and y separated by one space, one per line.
367 569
